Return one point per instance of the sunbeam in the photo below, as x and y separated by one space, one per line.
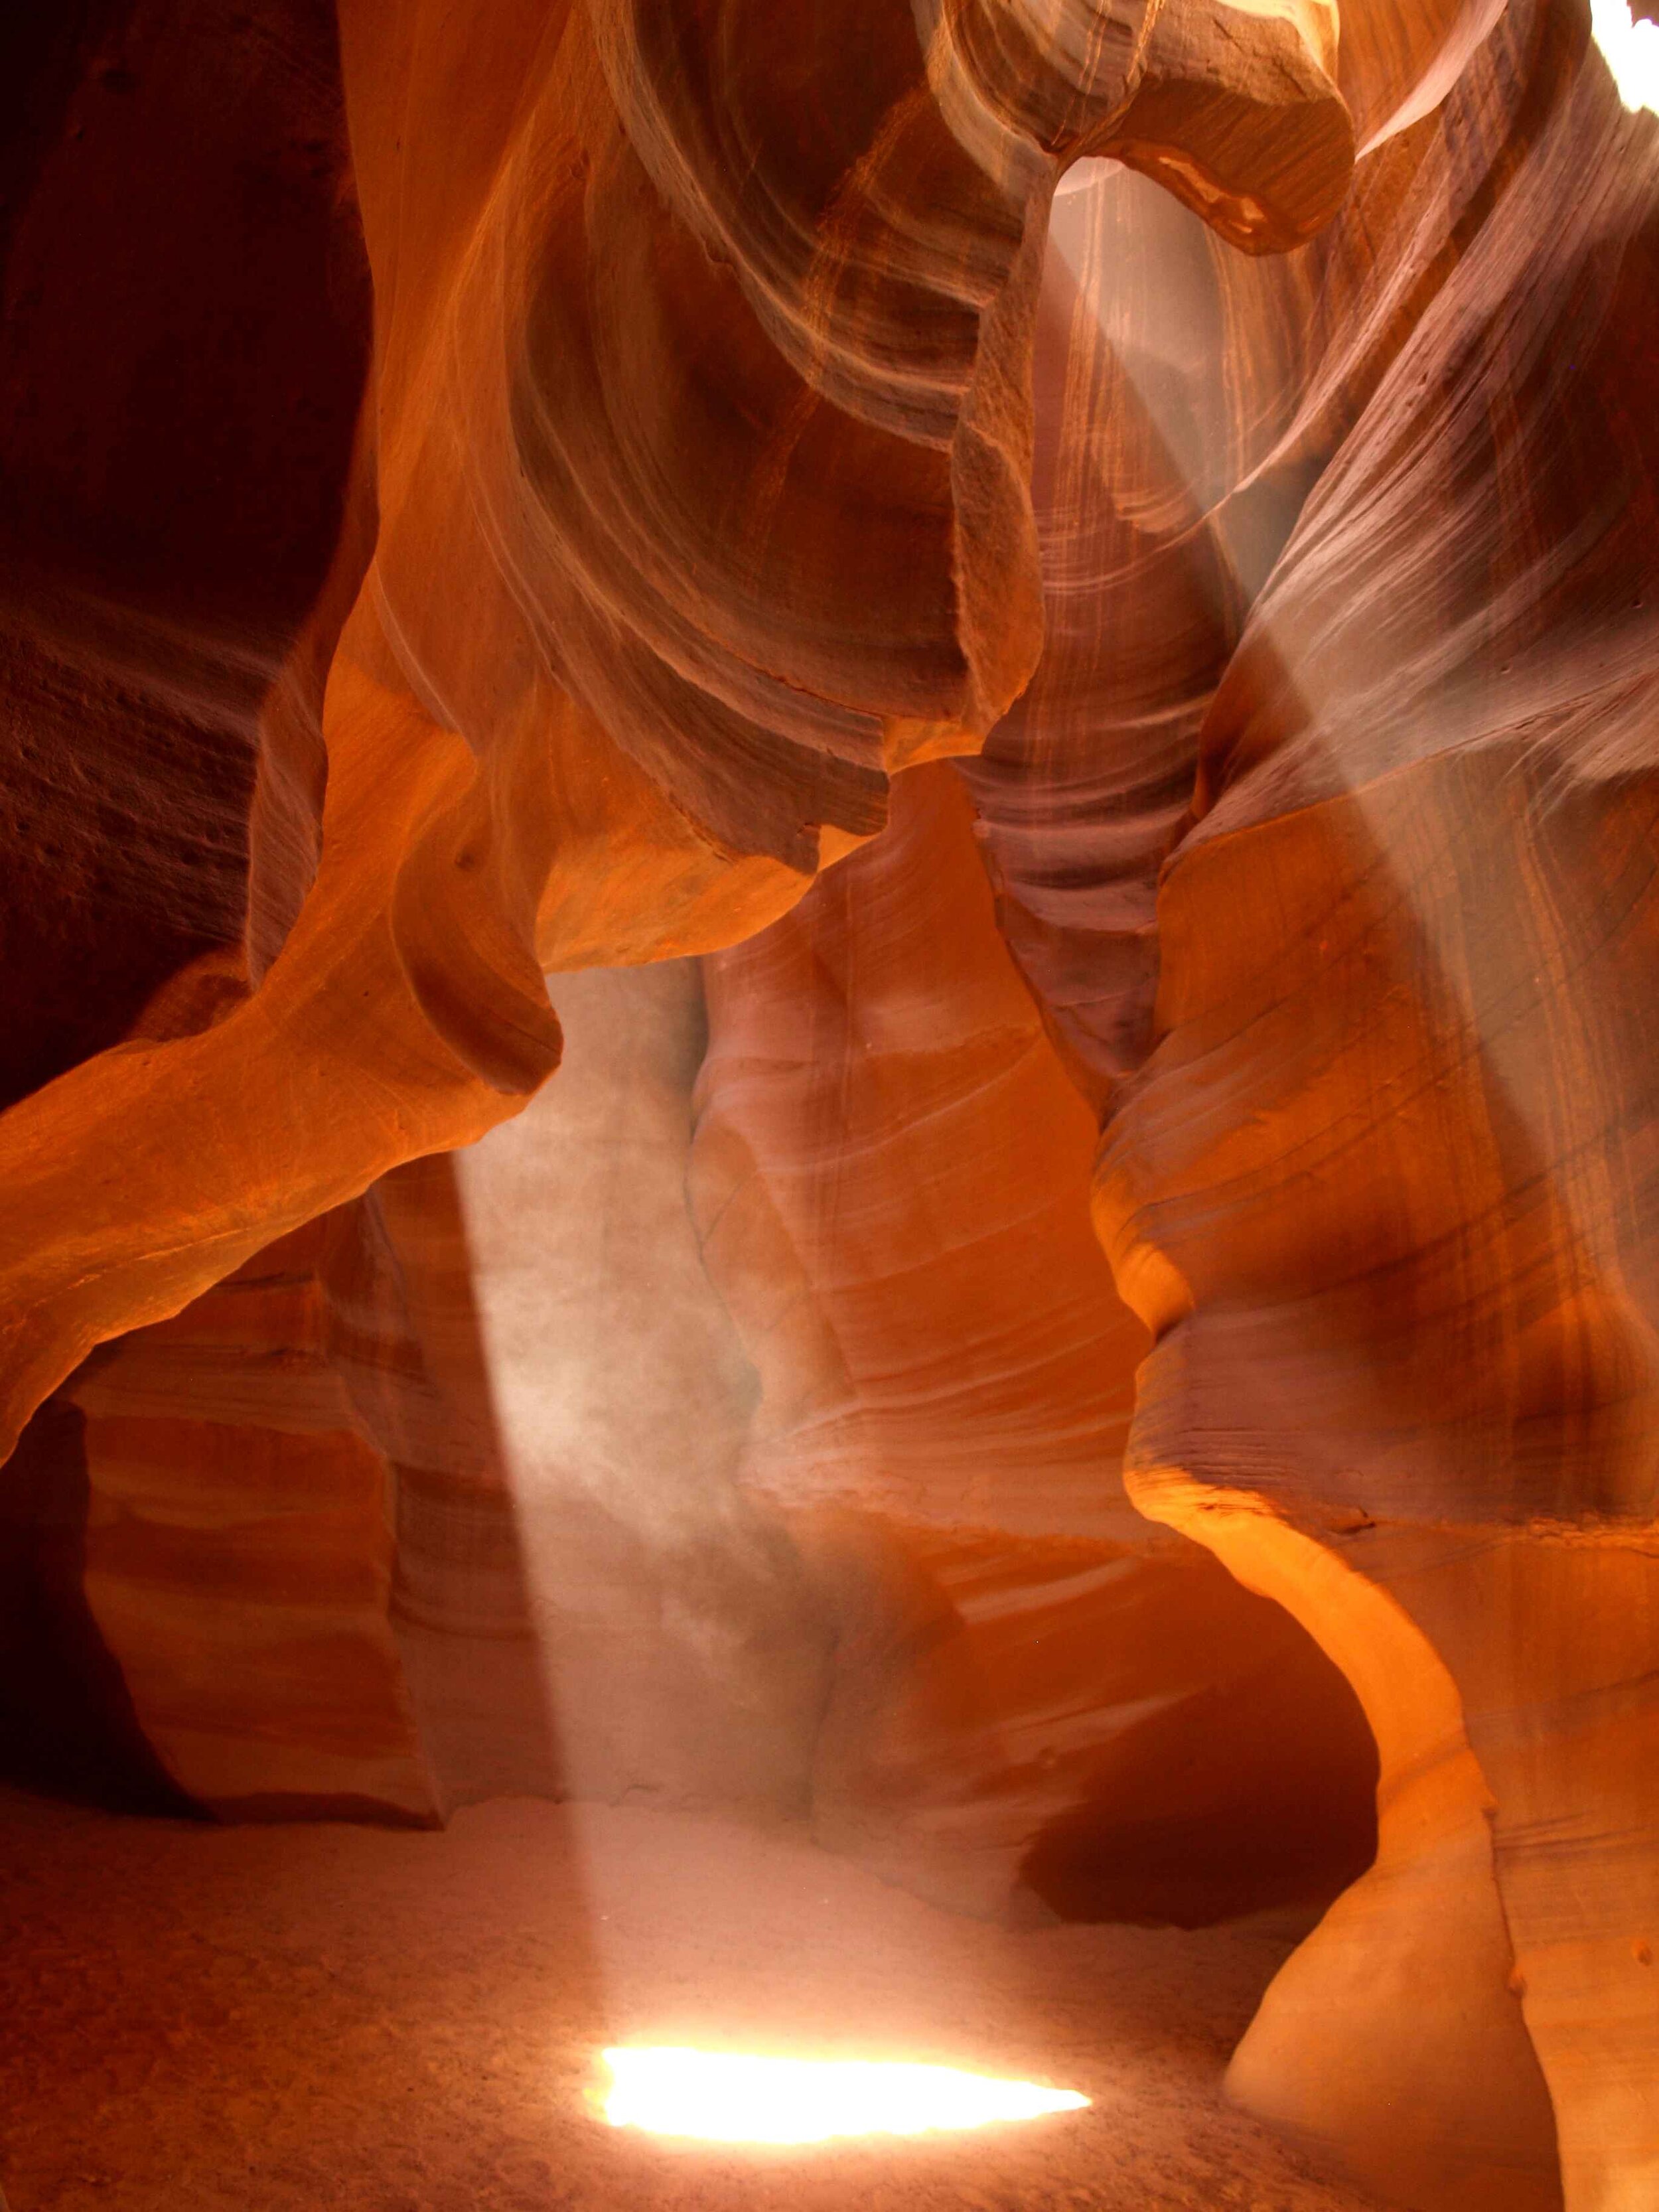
1630 46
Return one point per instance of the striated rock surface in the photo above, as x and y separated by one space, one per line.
433 1500
1032 1693
762 404
239 1547
620 421
465 1489
182 352
1349 944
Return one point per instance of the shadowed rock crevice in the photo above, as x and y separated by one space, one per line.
67 1721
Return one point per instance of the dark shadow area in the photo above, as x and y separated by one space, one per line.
67 1725
1288 1765
184 336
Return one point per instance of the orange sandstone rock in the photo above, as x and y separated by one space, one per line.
715 352
1380 1187
1031 1693
606 403
240 1551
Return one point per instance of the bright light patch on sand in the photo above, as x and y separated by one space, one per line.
724 2098
1631 51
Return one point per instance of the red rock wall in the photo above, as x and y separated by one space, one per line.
1033 1694
1348 946
182 355
609 399
67 1722
679 518
239 1549
465 1491
433 1500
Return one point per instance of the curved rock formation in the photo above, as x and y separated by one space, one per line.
1031 1693
605 401
749 422
433 1500
464 1491
1456 1278
182 354
1375 905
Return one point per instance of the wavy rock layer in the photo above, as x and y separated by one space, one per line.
1029 1686
239 1553
186 311
696 513
715 351
465 1491
1324 836
433 1500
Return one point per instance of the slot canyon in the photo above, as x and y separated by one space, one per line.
829 955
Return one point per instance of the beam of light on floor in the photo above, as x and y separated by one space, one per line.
722 2097
1630 46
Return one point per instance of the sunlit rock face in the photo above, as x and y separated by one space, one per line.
780 435
1346 945
472 1487
697 510
1032 1695
437 1499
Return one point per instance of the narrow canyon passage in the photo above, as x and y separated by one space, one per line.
384 2021
828 1100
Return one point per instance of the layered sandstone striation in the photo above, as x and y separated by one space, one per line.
1407 1392
1322 836
239 1551
435 1499
183 348
469 1488
1212 447
611 400
1032 1695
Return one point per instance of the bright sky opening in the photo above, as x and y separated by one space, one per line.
723 2097
1631 50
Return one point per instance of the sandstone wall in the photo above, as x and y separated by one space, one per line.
734 440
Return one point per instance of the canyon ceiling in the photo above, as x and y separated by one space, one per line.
1028 630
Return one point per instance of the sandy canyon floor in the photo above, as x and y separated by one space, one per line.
280 2020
